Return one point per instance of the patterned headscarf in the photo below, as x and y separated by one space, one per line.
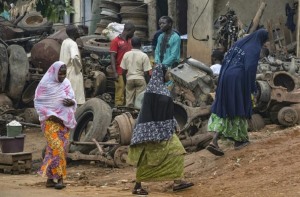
49 96
156 120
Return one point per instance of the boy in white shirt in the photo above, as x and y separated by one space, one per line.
216 60
136 66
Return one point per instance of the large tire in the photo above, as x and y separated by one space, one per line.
3 67
5 100
34 23
94 116
287 116
18 70
256 123
96 44
29 92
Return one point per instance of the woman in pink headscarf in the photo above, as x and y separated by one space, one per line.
55 104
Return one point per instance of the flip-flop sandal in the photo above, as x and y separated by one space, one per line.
241 145
50 184
214 150
182 186
140 192
59 186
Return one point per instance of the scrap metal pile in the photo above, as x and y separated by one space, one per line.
278 94
227 29
103 132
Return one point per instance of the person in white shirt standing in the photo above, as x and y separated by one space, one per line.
216 60
136 66
70 55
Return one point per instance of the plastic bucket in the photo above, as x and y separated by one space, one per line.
13 131
12 144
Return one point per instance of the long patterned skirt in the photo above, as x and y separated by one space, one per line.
236 128
162 161
54 164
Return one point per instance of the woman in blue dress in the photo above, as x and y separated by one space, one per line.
233 106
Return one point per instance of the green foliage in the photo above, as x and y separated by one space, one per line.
3 6
54 10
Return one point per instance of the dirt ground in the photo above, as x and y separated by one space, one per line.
269 166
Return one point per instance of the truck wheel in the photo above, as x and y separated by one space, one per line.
93 119
256 123
97 44
287 116
120 157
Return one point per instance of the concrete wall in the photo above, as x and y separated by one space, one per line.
87 12
78 11
245 10
151 17
83 13
172 12
200 50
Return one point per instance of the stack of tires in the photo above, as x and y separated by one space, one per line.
109 13
136 13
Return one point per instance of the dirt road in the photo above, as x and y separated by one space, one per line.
269 166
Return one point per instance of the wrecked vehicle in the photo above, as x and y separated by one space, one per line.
278 91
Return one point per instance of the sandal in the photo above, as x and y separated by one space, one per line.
50 183
182 186
59 186
214 150
140 191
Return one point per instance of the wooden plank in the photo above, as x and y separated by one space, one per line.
6 159
271 36
10 158
16 154
5 168
14 169
21 157
93 143
16 166
28 164
257 17
284 31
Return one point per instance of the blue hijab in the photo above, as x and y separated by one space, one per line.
237 77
